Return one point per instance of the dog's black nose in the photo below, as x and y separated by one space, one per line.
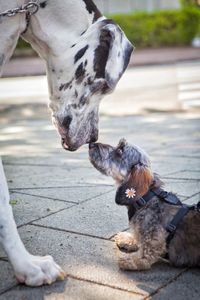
91 145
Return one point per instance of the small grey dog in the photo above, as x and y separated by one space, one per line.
160 224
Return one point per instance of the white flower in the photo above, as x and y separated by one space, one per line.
130 193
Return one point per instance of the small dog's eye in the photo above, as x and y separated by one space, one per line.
119 151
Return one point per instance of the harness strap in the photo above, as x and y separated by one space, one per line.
172 226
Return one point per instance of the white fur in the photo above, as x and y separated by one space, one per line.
51 32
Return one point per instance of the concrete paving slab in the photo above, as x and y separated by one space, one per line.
186 188
192 175
193 199
7 276
185 287
98 217
93 259
27 208
71 289
74 194
48 176
167 165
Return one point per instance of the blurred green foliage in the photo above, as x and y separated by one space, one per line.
157 29
190 3
163 28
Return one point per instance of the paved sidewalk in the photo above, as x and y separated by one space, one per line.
31 66
65 208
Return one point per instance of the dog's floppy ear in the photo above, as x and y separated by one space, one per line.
138 183
141 178
113 53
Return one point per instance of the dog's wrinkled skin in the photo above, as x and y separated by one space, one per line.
85 57
130 168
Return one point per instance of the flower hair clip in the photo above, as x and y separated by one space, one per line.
130 193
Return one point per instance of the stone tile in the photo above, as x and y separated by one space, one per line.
191 175
94 260
185 188
192 151
98 217
7 276
75 194
166 165
185 287
71 289
27 208
48 176
193 199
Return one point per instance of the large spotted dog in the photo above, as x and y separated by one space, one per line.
85 55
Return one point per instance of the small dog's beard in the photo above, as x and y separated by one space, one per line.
100 165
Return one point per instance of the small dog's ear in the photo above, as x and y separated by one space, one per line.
121 196
138 183
140 179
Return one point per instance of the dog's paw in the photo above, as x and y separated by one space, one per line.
38 270
126 262
125 242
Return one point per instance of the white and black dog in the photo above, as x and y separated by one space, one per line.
85 54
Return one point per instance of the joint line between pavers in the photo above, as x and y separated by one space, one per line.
181 179
187 198
9 289
60 187
48 215
104 284
179 156
61 200
70 231
44 197
112 236
166 284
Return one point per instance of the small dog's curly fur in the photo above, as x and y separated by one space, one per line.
146 244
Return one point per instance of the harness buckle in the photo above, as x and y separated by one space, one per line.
163 194
171 228
141 202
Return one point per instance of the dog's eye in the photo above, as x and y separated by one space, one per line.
119 151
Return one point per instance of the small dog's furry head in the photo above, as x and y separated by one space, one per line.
127 164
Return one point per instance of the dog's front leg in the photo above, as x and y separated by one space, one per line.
151 248
29 269
125 241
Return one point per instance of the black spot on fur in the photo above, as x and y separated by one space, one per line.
89 81
74 106
67 121
83 32
65 86
82 101
127 56
91 8
76 93
80 72
86 62
2 58
101 53
80 53
43 4
73 45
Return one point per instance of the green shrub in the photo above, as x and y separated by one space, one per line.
163 28
157 29
190 3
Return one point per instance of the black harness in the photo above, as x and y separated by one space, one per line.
171 199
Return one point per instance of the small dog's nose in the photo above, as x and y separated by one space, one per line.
91 145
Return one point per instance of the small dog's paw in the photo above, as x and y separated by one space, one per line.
125 242
37 270
125 262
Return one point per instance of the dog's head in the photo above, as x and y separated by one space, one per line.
127 164
80 78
